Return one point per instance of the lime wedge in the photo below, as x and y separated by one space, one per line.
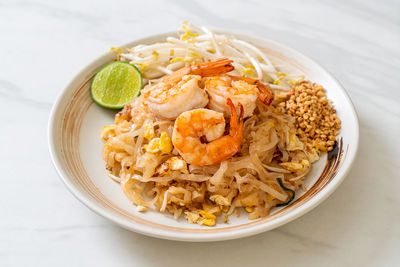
116 84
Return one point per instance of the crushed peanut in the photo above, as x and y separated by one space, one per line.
316 119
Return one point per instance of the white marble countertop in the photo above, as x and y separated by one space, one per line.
44 43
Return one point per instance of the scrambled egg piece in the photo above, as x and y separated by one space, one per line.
249 200
172 164
311 153
212 209
319 146
201 217
292 166
107 132
294 143
162 143
220 200
209 218
177 163
208 222
153 146
192 217
295 166
207 215
148 131
305 163
165 143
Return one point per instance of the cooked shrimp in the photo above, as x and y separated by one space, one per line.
180 91
239 89
198 135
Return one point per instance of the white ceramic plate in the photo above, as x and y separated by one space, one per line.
75 148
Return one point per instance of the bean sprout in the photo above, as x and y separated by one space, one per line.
194 45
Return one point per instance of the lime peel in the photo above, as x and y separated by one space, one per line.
116 84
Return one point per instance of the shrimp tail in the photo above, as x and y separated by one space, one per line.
236 124
212 68
264 95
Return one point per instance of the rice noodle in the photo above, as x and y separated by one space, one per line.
248 179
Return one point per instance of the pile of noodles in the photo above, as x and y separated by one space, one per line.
270 151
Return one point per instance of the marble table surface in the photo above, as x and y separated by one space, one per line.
44 43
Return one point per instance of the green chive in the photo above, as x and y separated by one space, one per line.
286 189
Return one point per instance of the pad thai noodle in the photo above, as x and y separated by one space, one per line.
211 131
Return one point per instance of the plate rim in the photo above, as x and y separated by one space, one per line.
184 236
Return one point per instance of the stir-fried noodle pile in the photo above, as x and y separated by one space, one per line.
268 169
